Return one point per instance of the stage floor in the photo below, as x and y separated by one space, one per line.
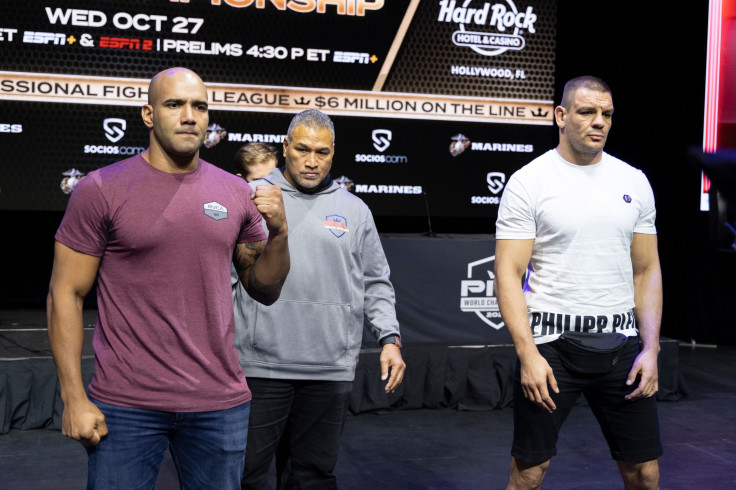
447 448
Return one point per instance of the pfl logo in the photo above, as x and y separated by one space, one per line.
381 139
496 181
337 224
114 129
477 292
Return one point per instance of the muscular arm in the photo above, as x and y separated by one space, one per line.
72 278
512 258
648 312
263 266
262 281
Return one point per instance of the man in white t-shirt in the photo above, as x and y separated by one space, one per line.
578 225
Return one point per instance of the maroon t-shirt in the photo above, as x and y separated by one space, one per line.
164 333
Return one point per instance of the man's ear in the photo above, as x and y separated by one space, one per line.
147 115
560 113
286 145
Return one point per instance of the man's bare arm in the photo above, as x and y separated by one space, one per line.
263 266
648 312
245 258
512 259
72 278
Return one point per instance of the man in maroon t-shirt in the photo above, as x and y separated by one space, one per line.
158 233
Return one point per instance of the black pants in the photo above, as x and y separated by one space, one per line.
301 419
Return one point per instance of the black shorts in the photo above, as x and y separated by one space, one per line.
631 428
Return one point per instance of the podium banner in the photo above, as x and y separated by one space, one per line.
444 288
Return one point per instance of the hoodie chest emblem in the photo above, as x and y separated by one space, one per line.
337 225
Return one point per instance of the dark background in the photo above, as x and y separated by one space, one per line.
653 56
53 134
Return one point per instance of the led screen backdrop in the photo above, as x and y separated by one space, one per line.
439 99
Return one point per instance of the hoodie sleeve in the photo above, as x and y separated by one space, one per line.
379 297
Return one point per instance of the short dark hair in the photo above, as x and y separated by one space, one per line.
311 118
251 154
586 81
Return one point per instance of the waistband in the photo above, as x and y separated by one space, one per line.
547 326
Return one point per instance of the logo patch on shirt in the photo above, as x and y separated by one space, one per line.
215 210
337 225
627 198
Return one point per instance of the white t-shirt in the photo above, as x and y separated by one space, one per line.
582 220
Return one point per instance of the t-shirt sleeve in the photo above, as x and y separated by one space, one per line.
645 223
84 226
515 213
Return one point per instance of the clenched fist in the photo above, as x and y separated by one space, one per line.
270 204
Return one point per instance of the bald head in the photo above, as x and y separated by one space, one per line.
154 88
177 117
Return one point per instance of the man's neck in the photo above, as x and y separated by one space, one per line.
159 159
577 158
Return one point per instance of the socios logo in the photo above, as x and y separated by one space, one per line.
496 181
113 150
381 139
114 132
114 129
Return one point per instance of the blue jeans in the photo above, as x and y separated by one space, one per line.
300 422
208 448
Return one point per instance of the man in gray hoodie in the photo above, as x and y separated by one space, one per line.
299 354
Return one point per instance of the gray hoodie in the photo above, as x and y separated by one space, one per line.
338 276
